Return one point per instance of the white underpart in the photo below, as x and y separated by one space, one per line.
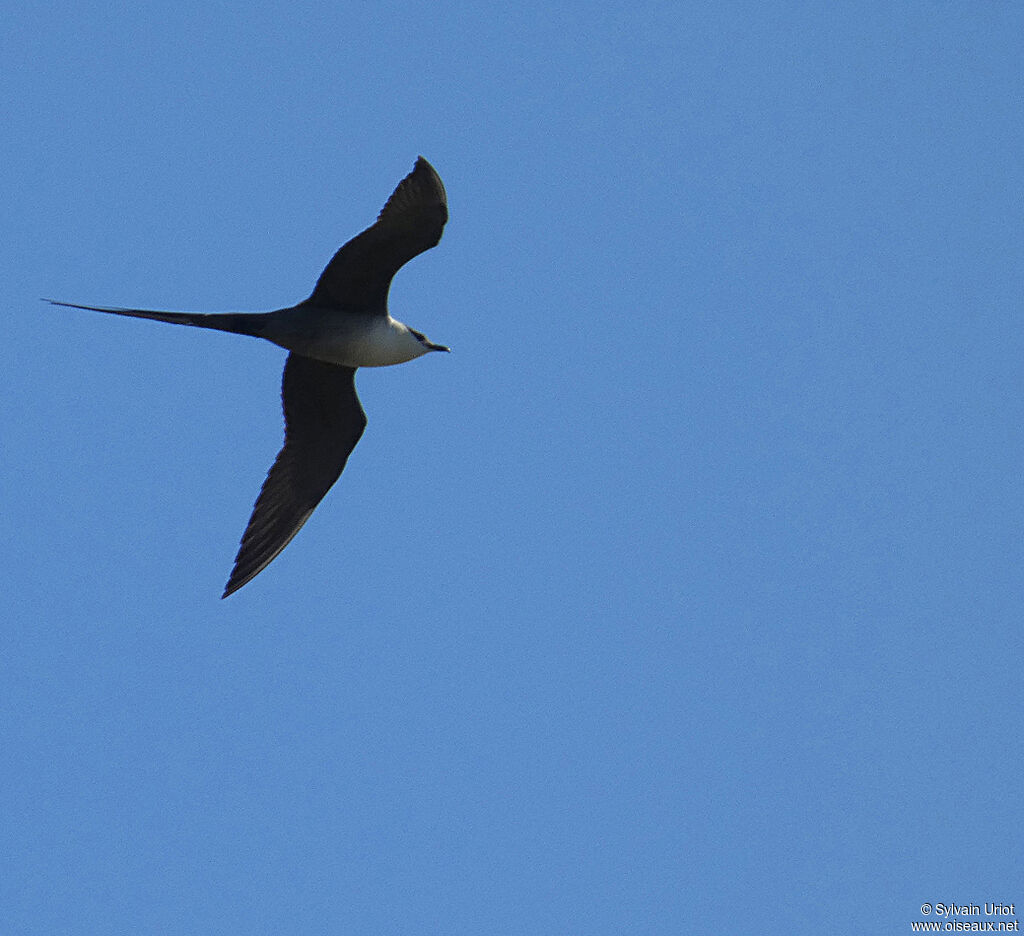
383 342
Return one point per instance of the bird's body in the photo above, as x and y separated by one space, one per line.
351 340
343 325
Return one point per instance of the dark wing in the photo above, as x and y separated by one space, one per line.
359 276
323 421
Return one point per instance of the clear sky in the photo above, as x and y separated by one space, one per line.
684 596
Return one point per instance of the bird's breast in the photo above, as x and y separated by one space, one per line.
358 341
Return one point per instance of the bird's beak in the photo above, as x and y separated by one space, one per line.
437 347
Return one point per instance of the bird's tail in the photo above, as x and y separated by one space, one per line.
241 323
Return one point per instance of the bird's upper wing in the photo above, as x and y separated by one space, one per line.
359 275
323 421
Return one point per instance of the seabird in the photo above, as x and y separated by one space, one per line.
343 325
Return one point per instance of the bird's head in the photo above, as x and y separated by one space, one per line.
429 345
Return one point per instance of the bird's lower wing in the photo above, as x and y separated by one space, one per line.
323 421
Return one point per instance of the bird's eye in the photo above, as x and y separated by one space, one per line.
419 335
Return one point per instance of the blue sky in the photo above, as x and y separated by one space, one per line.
683 597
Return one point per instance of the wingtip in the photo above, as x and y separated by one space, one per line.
422 164
233 586
235 582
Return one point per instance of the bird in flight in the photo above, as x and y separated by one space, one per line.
343 325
